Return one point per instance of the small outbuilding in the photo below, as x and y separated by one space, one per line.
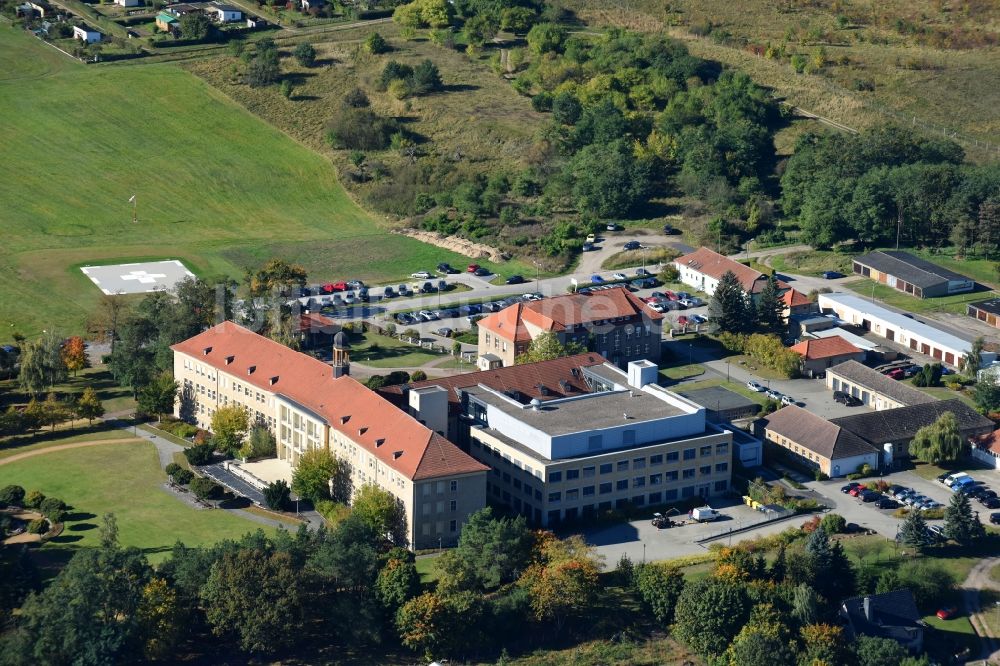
821 353
224 13
911 275
86 34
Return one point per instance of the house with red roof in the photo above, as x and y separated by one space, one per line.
613 322
822 353
797 304
308 404
703 268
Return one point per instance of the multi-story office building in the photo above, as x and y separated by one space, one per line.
308 404
626 440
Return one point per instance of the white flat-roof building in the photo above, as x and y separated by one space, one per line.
627 441
946 347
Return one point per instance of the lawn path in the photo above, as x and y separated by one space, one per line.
63 447
979 579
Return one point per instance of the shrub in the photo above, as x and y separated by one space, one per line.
33 499
204 488
172 469
183 476
418 376
276 495
38 526
833 523
50 505
56 516
306 54
12 495
375 44
360 129
820 475
200 454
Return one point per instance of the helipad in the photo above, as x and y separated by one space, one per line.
137 278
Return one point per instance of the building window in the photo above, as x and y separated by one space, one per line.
721 449
687 491
639 463
655 479
670 495
720 485
689 473
588 491
705 469
572 474
453 505
622 465
622 485
606 468
572 495
555 477
588 472
706 451
671 476
639 482
688 454
672 456
454 486
722 467
605 488
656 460
555 498
655 498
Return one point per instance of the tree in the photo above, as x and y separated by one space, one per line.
109 532
805 604
959 522
317 471
439 626
425 78
42 364
709 614
276 495
376 44
563 582
264 69
770 309
200 454
12 494
939 442
913 531
660 586
545 347
546 37
986 394
727 309
833 576
203 487
491 552
607 178
230 424
305 53
517 19
875 651
823 644
195 26
74 354
89 405
566 108
383 512
762 641
256 596
833 523
972 361
259 444
158 396
104 323
160 619
397 583
90 613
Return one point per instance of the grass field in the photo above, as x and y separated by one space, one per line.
124 479
12 446
217 187
388 352
952 304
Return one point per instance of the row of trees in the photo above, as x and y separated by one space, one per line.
732 310
49 360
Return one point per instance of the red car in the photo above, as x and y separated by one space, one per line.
671 295
896 374
856 491
472 268
682 321
948 612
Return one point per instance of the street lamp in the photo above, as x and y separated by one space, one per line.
644 561
727 370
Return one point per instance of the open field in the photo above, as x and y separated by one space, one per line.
917 79
40 441
125 480
112 396
217 188
952 304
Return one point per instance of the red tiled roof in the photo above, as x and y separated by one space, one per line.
392 436
716 265
558 312
314 322
825 348
989 442
794 298
525 379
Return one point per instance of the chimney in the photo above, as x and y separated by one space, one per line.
868 608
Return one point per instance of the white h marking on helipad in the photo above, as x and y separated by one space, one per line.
143 277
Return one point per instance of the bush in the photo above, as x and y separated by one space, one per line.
38 526
820 475
56 516
418 376
833 523
375 44
200 454
12 495
360 129
172 469
306 54
51 505
204 488
183 476
276 495
33 499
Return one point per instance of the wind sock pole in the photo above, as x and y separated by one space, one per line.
134 211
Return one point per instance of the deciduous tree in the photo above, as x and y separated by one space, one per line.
230 424
563 582
158 396
74 354
491 552
660 586
276 495
397 583
305 53
939 442
709 614
42 364
383 512
89 406
545 347
317 470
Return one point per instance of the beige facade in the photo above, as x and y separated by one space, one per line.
203 389
549 492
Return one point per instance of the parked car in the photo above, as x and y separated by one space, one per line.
695 301
832 275
426 315
591 238
355 284
852 528
444 332
773 395
995 518
991 502
870 496
754 386
427 288
937 532
704 514
481 272
619 276
632 245
403 318
857 491
515 279
420 275
787 400
446 268
656 307
886 503
670 230
683 295
850 486
682 321
596 279
587 247
896 373
698 319
947 613
642 272
612 227
686 302
846 399
472 268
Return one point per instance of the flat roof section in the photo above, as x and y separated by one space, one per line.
914 270
718 398
897 320
991 305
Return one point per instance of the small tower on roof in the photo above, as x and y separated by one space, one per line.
341 355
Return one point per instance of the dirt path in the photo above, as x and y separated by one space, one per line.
979 579
63 447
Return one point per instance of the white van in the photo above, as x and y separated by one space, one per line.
951 479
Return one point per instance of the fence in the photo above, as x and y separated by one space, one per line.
986 457
769 515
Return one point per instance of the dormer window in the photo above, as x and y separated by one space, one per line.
251 369
396 455
206 351
379 442
362 431
230 359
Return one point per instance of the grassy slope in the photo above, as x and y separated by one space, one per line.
217 187
958 89
124 479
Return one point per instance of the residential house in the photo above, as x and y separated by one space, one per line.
223 13
872 388
703 268
167 22
86 34
821 353
311 5
626 442
818 443
893 615
987 311
986 449
309 404
797 304
903 329
612 322
911 275
130 3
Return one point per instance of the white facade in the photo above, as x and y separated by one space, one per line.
696 279
226 14
86 35
129 3
917 336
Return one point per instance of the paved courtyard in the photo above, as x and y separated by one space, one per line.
138 278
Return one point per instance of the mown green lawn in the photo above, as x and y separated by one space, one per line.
217 187
382 351
124 479
953 304
46 439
